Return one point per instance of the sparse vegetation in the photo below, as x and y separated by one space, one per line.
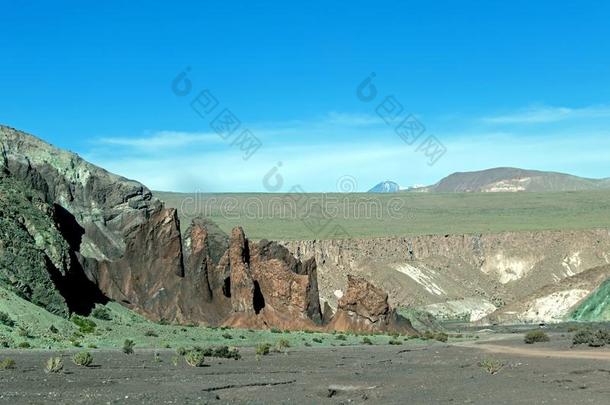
341 337
181 351
54 365
227 336
317 340
6 320
395 342
367 341
262 349
151 333
24 331
8 364
85 326
276 330
24 345
492 366
536 336
128 346
101 312
282 344
592 338
83 359
194 358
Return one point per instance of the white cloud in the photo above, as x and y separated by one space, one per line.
315 154
162 139
548 114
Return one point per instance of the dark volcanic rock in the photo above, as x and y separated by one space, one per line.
365 307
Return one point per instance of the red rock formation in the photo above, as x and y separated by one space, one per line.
127 245
365 308
269 287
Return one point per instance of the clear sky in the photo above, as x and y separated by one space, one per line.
498 83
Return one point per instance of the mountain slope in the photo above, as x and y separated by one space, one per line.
385 187
508 179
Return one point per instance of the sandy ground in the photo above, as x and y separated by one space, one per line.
548 373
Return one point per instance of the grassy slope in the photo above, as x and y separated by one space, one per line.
126 324
420 213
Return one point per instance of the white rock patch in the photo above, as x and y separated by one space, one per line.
338 294
553 307
507 269
424 278
572 264
472 308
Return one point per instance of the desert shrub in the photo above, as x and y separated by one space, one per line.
181 351
84 325
341 337
24 345
83 359
282 344
163 322
441 336
175 361
307 344
157 357
76 343
275 330
317 340
593 338
23 331
128 346
492 366
262 349
366 341
92 346
226 353
54 365
227 336
7 364
151 333
53 329
5 342
6 320
395 342
194 358
536 336
101 312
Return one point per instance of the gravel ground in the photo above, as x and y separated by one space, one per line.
436 373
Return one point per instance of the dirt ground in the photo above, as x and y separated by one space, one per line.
414 374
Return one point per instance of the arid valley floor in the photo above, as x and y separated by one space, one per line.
413 372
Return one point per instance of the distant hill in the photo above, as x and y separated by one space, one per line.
385 187
508 179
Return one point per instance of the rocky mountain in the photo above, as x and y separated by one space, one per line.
467 276
508 179
73 235
385 187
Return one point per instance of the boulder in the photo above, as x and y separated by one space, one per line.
365 308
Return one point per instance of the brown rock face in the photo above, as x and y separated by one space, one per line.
123 244
365 307
269 287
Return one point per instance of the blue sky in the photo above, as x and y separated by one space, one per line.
497 83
